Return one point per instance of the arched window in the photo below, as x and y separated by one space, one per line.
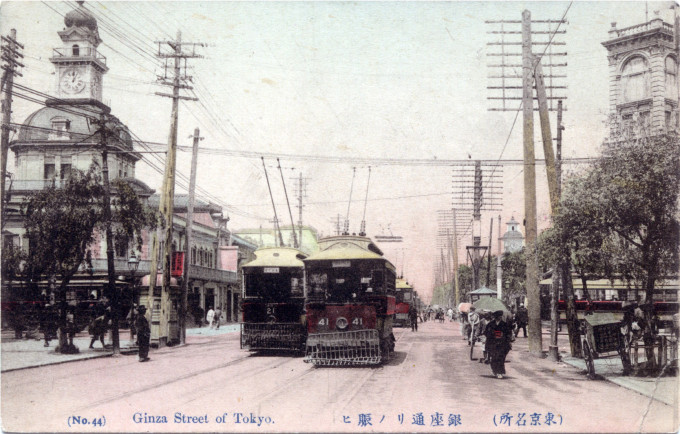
635 79
671 78
76 50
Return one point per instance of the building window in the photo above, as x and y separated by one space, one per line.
76 50
671 78
121 247
65 171
635 79
50 172
60 129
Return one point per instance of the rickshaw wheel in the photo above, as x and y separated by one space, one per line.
588 357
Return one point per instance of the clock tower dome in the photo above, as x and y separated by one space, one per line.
79 67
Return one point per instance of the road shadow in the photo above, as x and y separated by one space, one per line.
505 377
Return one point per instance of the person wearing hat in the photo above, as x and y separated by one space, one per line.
522 319
498 337
143 333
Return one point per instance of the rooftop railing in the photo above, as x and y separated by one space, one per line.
639 28
84 52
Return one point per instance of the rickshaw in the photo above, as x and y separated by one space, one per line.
601 337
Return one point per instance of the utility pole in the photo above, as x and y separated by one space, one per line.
110 266
456 283
488 262
10 54
533 293
168 190
187 242
499 264
301 192
557 280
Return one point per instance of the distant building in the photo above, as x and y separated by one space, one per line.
61 137
643 78
513 240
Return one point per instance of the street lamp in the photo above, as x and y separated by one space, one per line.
133 265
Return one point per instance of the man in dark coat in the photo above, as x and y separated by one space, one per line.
143 333
522 319
413 316
498 336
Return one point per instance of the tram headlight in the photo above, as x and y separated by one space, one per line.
341 323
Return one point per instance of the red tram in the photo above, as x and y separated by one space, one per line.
273 301
350 303
404 300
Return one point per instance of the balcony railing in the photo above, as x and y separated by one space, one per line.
195 271
82 52
212 274
36 184
639 28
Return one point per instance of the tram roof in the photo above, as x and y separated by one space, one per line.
277 257
403 284
347 247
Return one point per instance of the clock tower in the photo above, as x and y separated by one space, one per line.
79 67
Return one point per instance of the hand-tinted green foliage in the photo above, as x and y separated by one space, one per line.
621 218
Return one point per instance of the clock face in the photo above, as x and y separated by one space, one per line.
72 81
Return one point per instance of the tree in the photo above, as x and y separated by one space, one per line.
619 219
61 226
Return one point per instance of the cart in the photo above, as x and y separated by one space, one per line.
601 337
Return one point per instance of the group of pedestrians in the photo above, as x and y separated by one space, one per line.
213 317
496 333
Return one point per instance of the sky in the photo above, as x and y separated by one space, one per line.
331 89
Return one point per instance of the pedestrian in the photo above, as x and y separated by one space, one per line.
413 316
210 317
474 330
48 323
449 313
131 317
97 329
217 316
71 327
522 319
143 333
498 337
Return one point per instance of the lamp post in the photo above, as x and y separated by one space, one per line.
133 265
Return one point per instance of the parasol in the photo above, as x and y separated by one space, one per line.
493 304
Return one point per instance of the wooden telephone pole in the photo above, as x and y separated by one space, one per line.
168 190
531 73
188 238
10 54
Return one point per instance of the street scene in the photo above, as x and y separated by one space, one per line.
340 217
429 385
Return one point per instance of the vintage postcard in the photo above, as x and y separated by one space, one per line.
315 216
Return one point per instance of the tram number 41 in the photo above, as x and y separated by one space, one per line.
355 321
80 420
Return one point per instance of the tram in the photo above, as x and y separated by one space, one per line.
273 301
351 301
404 301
